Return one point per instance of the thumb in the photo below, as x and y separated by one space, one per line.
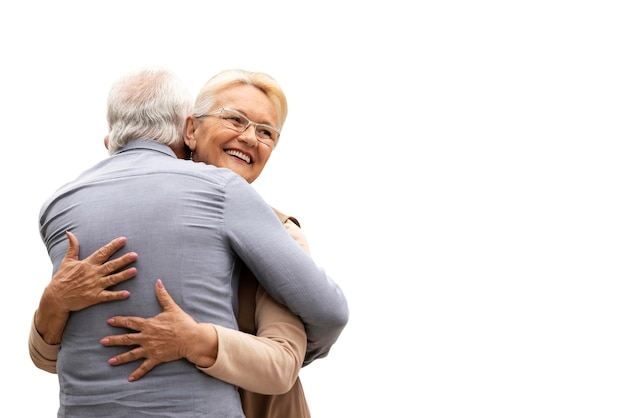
72 248
165 300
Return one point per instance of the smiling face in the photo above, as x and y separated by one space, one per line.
213 143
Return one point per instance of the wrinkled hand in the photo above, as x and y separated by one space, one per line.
79 284
169 336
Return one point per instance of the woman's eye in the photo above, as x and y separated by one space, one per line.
265 133
235 120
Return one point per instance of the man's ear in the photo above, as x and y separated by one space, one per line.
190 132
106 142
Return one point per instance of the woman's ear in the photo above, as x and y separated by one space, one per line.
190 133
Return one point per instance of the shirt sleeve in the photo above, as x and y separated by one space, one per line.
288 274
269 362
43 355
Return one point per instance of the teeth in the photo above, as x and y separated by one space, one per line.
238 154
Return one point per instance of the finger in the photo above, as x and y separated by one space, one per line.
116 278
141 371
72 247
121 339
126 357
105 252
118 263
131 322
163 296
112 295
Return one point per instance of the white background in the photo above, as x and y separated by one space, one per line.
458 167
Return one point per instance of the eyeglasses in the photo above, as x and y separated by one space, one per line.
232 119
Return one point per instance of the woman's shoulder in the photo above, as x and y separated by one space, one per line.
286 218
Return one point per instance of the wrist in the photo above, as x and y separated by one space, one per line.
204 349
52 304
50 318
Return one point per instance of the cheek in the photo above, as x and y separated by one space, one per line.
206 143
263 159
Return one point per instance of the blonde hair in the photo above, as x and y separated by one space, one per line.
227 78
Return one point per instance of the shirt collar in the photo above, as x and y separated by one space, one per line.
145 143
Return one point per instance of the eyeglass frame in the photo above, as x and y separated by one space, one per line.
244 117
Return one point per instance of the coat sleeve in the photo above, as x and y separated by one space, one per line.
43 355
267 363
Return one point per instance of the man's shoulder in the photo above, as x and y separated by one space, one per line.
210 171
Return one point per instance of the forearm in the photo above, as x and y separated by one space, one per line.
269 362
264 365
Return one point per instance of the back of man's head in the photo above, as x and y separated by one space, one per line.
150 103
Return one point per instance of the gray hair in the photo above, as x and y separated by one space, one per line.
150 103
